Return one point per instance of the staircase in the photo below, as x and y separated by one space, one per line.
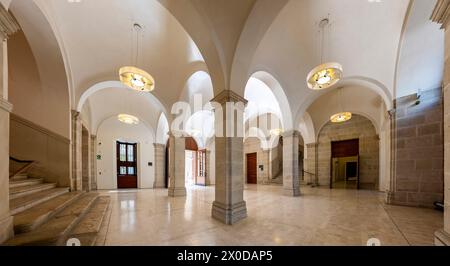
45 215
277 181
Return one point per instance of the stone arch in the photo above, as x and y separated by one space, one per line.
361 128
54 80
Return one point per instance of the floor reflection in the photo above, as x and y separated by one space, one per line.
319 217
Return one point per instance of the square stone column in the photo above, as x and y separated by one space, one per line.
440 15
77 149
8 26
265 160
291 173
6 220
159 166
93 162
177 157
229 206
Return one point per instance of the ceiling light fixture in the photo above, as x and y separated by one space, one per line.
134 77
276 132
128 119
342 116
326 74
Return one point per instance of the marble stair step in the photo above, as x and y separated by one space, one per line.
34 217
17 192
22 176
25 182
55 231
89 227
26 202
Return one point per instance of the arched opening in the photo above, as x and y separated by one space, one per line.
349 155
38 89
124 154
370 106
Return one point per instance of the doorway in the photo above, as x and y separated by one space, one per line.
252 177
127 176
191 161
345 164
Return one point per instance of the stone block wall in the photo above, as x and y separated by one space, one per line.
310 163
360 128
419 152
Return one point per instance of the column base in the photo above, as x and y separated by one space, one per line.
292 192
177 192
6 229
229 214
441 238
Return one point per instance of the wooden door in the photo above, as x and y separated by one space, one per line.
252 169
126 165
346 148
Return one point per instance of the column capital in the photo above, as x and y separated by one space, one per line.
229 96
441 13
159 145
311 145
178 134
5 105
291 133
8 24
75 114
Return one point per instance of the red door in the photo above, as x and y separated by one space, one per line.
251 169
126 165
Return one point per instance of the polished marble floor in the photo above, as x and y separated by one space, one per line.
320 217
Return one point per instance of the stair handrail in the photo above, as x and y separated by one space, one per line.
28 165
309 173
20 161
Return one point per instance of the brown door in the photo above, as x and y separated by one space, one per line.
346 148
126 165
251 169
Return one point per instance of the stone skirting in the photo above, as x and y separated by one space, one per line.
6 228
229 214
442 238
177 192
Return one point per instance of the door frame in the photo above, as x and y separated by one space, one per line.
134 164
256 167
349 155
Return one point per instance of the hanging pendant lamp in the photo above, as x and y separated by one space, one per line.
342 116
326 74
134 77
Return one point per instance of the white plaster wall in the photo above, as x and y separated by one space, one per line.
109 132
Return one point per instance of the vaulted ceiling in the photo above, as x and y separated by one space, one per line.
233 39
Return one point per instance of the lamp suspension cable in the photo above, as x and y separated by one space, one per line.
132 76
324 75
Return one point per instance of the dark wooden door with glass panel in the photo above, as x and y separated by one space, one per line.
126 165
